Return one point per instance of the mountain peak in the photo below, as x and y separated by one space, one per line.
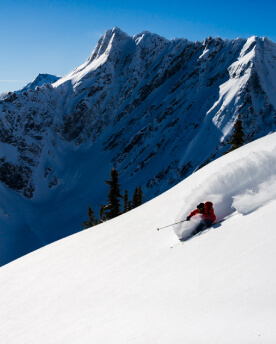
147 36
40 80
117 31
112 33
106 41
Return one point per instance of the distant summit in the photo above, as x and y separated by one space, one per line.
40 80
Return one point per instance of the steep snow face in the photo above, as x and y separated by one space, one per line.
120 282
265 67
157 110
106 48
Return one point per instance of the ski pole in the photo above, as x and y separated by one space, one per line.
171 224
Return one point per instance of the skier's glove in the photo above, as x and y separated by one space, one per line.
188 218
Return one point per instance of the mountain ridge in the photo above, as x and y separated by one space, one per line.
157 110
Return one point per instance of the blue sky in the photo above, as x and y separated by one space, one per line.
55 36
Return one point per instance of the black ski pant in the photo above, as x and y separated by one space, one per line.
202 225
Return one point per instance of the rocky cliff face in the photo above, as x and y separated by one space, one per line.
155 109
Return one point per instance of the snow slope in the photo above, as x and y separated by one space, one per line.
120 282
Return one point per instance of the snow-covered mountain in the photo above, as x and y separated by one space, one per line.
3 95
120 282
157 110
40 80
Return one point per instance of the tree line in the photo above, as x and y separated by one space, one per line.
113 208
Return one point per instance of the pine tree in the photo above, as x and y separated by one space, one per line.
135 198
127 203
113 208
103 217
237 139
92 219
238 135
140 195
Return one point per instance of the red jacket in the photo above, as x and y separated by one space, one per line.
207 214
194 212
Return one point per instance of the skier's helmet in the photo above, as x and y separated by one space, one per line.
200 206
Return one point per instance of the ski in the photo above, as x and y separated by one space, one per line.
181 241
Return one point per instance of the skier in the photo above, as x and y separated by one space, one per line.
208 216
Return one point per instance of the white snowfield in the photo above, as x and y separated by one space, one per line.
121 282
